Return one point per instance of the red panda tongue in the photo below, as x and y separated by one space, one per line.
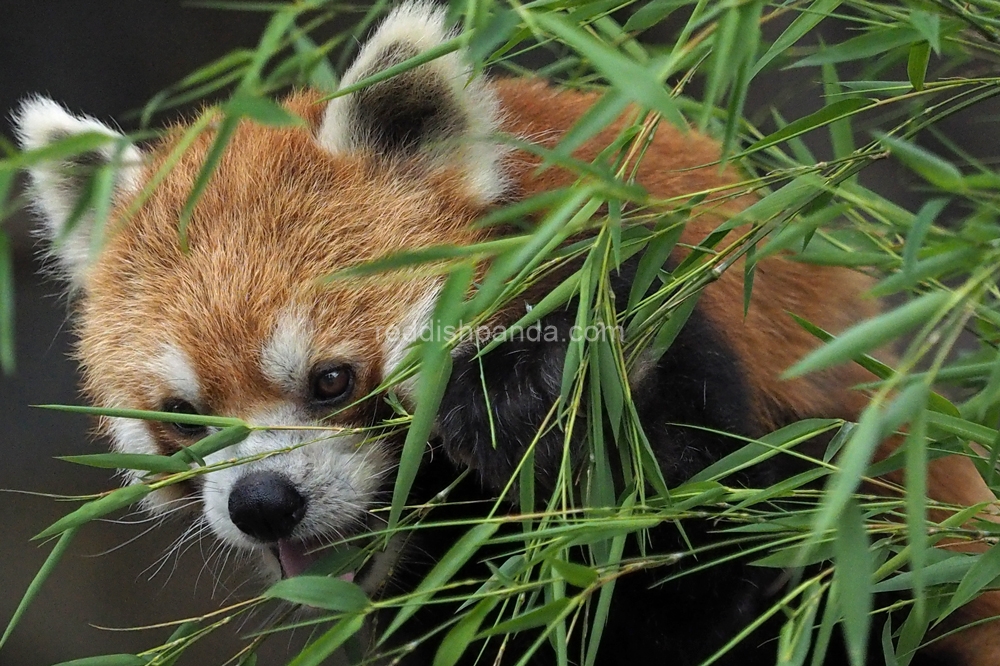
297 556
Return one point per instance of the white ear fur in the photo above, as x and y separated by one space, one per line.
56 189
436 110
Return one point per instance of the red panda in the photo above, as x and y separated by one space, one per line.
242 324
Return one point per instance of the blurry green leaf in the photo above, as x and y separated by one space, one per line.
807 19
928 24
916 64
855 565
982 573
94 509
824 116
932 168
322 76
7 352
873 43
922 222
652 13
841 131
225 131
332 594
498 29
871 334
262 110
574 574
217 441
643 86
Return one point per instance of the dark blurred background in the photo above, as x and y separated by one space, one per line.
106 58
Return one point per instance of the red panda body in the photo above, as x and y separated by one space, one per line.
243 323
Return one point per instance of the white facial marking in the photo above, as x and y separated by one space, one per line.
399 337
173 367
285 358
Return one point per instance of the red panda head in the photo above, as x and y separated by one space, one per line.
244 322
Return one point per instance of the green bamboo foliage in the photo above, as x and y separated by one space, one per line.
880 93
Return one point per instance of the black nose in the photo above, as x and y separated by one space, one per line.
266 506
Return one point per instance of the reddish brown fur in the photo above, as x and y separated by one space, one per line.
281 213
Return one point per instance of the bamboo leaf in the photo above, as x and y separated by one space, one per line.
447 566
94 509
916 64
332 594
316 652
855 565
875 42
435 369
825 116
137 461
36 583
932 168
871 334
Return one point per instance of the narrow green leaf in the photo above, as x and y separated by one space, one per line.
652 14
316 652
322 76
574 574
916 64
671 328
643 86
137 461
435 369
932 168
855 565
985 570
538 617
871 334
922 222
916 505
828 114
808 19
654 257
455 642
36 583
262 110
7 349
332 594
217 441
94 509
226 128
875 42
448 566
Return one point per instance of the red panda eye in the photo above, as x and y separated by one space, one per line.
178 406
331 383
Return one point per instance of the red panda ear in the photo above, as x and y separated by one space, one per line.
59 187
436 112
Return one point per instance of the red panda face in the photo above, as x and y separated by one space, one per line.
246 321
